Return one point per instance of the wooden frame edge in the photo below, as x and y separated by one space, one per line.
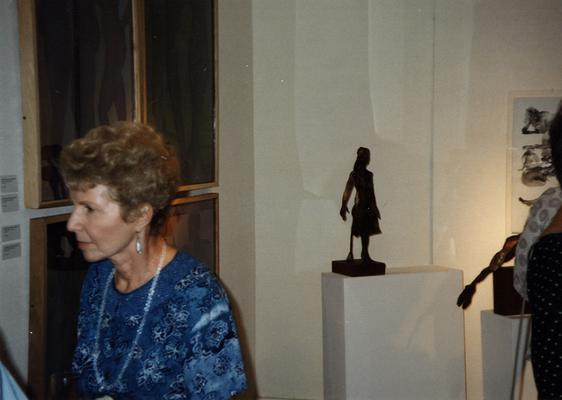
139 60
30 103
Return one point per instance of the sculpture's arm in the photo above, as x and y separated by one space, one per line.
505 254
346 195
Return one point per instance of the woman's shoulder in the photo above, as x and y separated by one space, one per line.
553 192
184 262
549 199
190 282
188 271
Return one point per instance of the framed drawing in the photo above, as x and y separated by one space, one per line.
80 67
530 170
193 228
181 99
57 270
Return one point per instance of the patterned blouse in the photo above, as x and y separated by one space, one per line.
188 347
540 216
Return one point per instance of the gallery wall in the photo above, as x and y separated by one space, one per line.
484 50
236 169
330 76
425 85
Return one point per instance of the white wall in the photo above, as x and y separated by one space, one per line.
236 168
424 84
330 76
484 49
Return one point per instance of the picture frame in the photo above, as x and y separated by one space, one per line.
530 170
193 227
57 270
80 67
63 100
181 83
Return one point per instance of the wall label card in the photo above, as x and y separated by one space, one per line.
9 203
11 233
8 184
10 251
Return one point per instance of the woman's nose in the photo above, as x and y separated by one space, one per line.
73 223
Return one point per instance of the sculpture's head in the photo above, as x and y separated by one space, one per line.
363 157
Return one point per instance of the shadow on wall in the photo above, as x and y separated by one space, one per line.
251 392
9 363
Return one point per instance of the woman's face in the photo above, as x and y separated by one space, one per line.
100 230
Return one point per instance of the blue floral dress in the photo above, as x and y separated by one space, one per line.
188 347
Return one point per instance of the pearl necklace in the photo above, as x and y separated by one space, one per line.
100 380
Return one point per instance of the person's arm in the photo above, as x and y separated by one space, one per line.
9 389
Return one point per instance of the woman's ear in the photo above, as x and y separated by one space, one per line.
143 215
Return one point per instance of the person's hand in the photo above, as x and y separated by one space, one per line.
343 212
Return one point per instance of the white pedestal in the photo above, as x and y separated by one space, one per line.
395 336
499 344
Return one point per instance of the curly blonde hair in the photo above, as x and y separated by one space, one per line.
132 160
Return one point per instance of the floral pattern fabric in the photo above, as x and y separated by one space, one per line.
188 348
540 216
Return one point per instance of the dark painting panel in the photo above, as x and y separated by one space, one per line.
180 82
66 270
193 228
57 279
85 75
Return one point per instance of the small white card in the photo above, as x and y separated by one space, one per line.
8 184
11 233
10 251
9 203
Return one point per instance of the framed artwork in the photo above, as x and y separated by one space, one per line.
86 63
57 270
530 170
79 69
193 228
181 99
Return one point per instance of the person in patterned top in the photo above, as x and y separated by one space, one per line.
154 323
540 252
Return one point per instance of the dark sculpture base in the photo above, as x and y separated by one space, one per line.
506 299
358 268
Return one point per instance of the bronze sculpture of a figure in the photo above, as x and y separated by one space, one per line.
365 213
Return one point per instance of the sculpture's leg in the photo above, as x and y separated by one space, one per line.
350 255
365 248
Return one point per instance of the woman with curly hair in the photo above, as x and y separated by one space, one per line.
154 323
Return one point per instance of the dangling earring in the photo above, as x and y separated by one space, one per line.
138 245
